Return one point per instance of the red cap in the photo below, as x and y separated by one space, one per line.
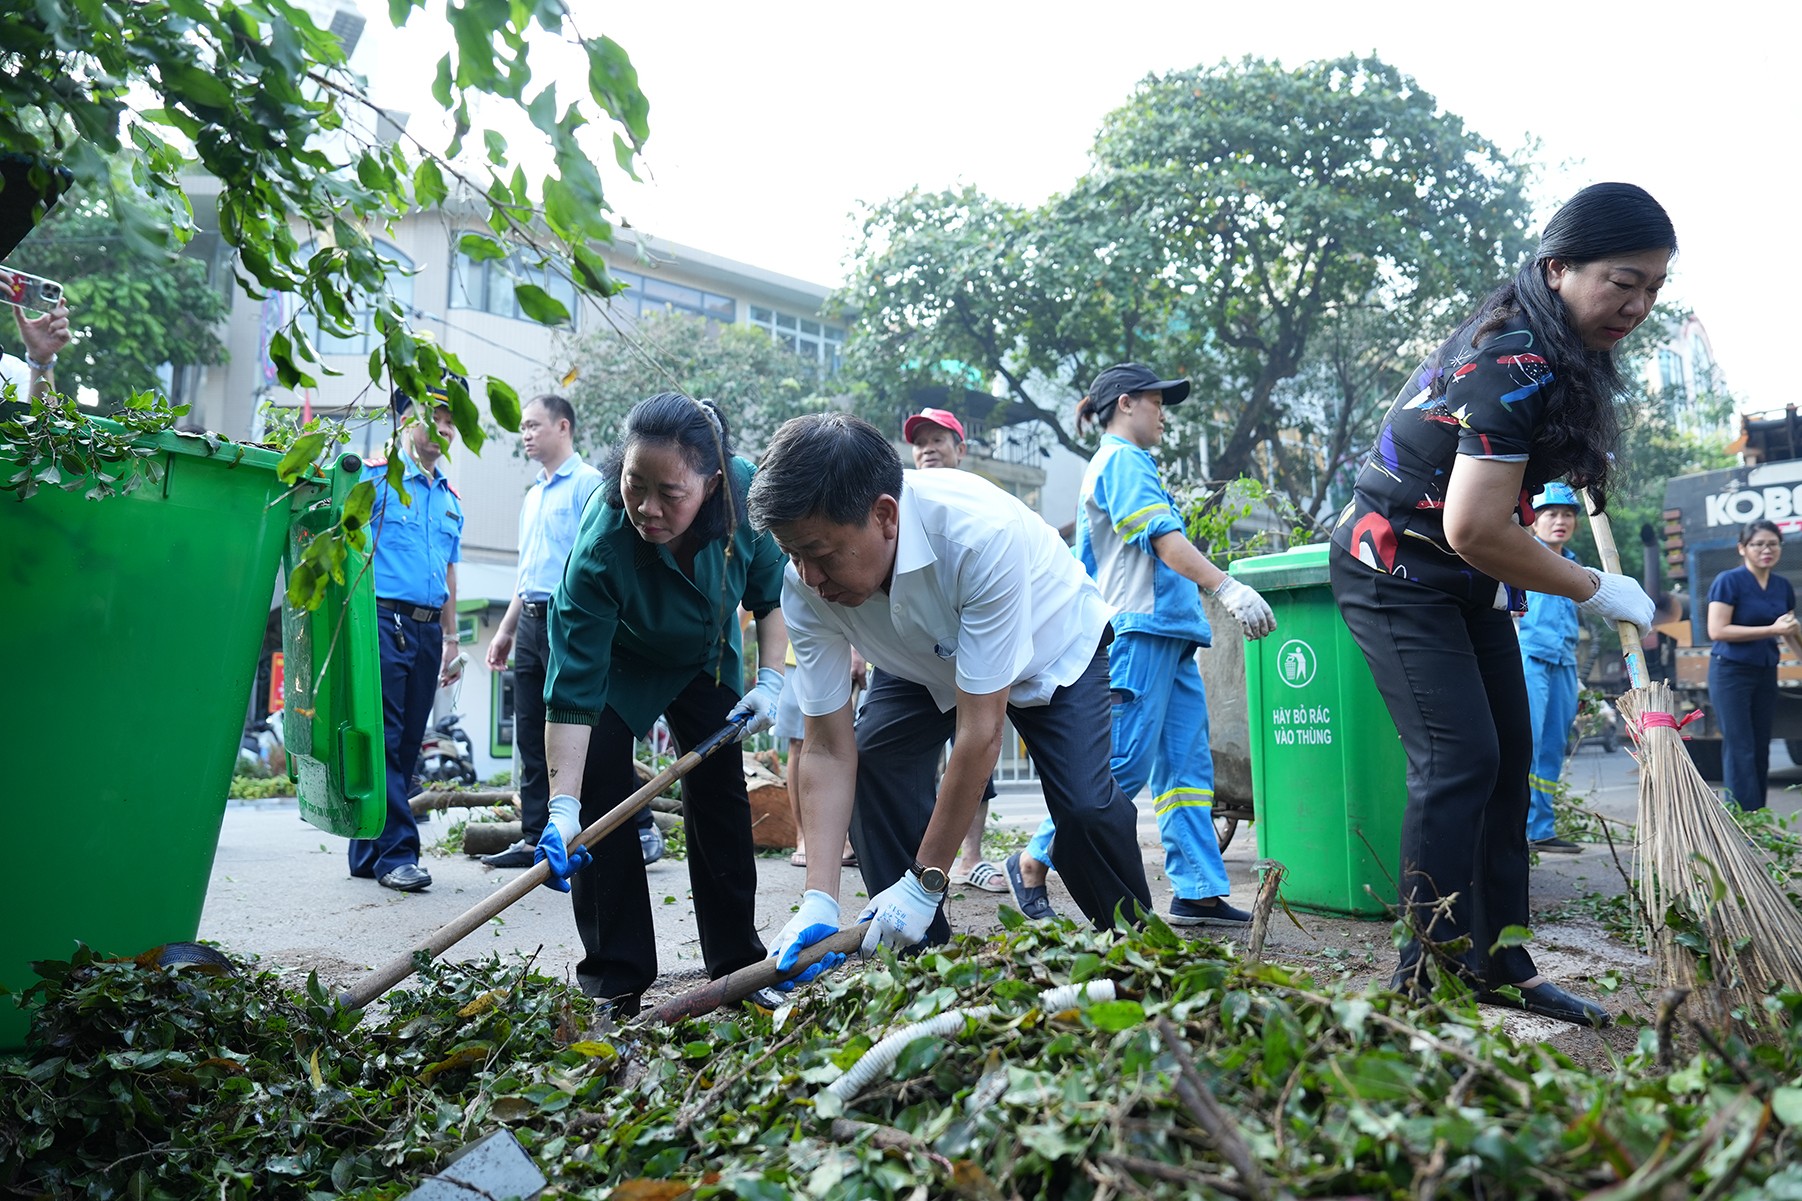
936 417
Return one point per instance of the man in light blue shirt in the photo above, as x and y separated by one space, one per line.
548 521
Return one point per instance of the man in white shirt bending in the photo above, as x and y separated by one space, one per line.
976 612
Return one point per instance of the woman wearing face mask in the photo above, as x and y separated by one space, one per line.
644 623
1749 608
1433 554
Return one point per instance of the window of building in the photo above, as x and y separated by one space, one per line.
807 337
365 338
490 285
647 294
1670 373
1701 365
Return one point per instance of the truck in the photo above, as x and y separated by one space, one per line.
1703 515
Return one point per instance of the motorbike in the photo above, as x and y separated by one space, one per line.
260 749
446 756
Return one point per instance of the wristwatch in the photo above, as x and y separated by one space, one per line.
932 879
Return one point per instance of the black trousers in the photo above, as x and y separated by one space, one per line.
531 651
1450 673
899 734
1745 706
611 898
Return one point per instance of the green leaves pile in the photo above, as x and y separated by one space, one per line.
1207 1076
53 442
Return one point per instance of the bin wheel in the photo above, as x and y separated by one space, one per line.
1225 826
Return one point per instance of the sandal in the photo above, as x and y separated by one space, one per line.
798 859
849 859
986 876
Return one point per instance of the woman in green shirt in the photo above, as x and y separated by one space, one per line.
646 623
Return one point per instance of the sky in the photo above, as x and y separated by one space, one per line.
771 125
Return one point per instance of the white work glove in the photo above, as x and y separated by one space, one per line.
553 844
760 703
1244 603
817 918
899 915
1619 598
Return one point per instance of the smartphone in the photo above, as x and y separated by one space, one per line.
29 291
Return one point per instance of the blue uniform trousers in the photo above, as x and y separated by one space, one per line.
1745 707
412 654
1160 731
1552 706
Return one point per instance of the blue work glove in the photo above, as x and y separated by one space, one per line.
899 915
817 918
553 844
760 703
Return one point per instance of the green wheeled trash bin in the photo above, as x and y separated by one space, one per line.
132 627
1329 778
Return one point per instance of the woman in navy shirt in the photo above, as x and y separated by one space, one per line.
1749 609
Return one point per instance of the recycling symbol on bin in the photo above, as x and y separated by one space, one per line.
1296 663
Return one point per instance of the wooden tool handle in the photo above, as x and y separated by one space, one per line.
381 979
746 980
1611 563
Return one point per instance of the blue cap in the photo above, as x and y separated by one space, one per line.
1557 494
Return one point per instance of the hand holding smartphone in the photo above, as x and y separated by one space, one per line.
29 291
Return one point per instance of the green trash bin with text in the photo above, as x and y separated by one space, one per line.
1329 779
132 626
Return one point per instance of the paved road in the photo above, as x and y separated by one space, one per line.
280 890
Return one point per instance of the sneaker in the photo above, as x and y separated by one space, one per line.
650 841
1035 903
987 877
520 854
408 877
1215 911
1557 846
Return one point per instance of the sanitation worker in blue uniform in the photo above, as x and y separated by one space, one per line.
416 548
1548 652
1131 540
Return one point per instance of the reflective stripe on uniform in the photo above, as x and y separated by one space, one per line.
1183 798
1135 522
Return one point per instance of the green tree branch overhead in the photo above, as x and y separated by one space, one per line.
255 94
1233 217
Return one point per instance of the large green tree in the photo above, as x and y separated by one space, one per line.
758 383
1233 215
255 94
139 306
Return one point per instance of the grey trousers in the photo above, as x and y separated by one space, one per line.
899 734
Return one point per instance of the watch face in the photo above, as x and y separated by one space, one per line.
933 879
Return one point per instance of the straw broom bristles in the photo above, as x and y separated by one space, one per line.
1736 934
1693 859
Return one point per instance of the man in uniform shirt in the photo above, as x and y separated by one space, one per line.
548 521
976 612
417 538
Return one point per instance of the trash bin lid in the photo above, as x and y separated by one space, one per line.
1297 567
